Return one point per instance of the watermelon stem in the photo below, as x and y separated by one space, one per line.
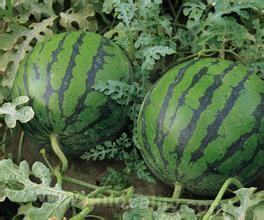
206 51
154 200
44 155
177 190
20 147
57 150
3 143
220 194
80 183
83 213
158 201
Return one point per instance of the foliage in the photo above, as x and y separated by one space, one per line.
53 201
251 204
120 149
24 114
142 32
234 27
135 167
26 22
26 191
140 212
109 150
248 200
121 92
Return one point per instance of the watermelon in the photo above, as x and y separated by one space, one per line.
202 123
58 76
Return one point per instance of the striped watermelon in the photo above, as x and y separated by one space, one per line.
58 76
201 123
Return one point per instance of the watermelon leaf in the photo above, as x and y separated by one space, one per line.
2 193
17 50
24 114
140 210
109 150
135 165
247 200
23 9
53 200
123 93
116 178
194 11
79 17
142 32
152 54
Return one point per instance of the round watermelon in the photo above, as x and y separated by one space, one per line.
58 76
202 123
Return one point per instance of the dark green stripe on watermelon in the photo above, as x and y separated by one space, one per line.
237 146
214 126
58 76
97 64
209 127
150 162
160 120
68 75
49 90
204 101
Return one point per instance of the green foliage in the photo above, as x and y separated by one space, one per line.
18 187
234 27
121 92
79 17
14 49
135 167
142 32
120 150
26 22
251 204
52 201
117 179
109 150
24 114
247 200
141 210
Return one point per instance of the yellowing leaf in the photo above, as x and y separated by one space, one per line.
12 57
80 20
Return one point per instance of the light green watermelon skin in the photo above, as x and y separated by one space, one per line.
58 76
202 123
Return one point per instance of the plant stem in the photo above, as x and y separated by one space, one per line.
82 214
154 200
96 217
110 200
172 9
105 19
43 153
80 183
20 147
205 51
3 145
57 150
176 19
220 194
99 190
177 191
